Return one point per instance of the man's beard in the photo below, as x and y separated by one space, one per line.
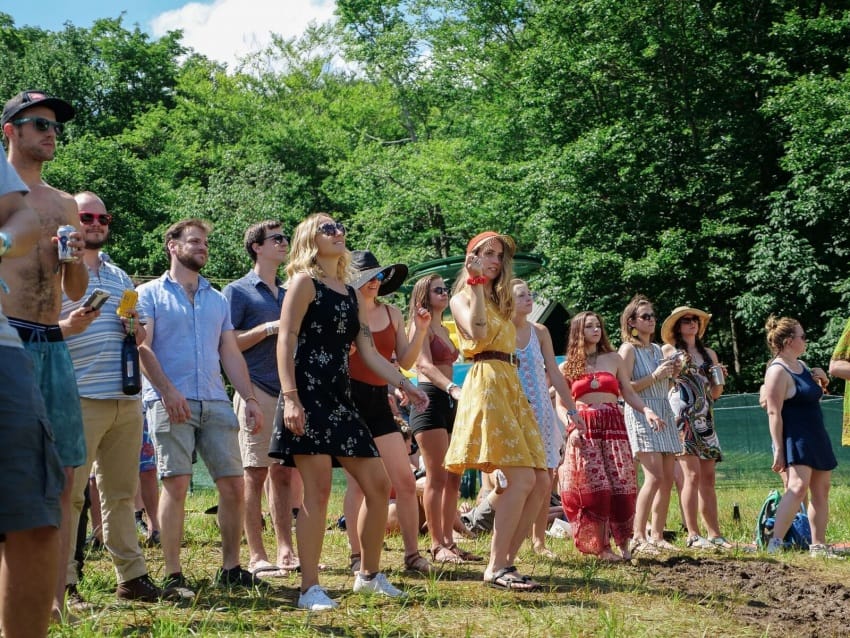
92 244
188 261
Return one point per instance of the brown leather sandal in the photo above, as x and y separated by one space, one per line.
416 562
443 554
463 554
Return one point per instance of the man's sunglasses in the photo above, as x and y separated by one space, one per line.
104 219
330 229
277 238
41 124
440 290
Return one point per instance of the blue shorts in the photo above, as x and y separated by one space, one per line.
54 374
212 430
30 469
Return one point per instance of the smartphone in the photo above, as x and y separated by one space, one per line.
96 299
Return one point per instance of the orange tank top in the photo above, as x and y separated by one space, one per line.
384 344
596 382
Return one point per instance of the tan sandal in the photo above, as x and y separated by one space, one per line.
442 554
416 562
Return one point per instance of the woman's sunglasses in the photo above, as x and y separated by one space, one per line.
689 320
440 290
329 229
647 316
104 219
41 124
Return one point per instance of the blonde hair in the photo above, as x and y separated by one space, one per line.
502 295
303 251
576 363
630 312
779 332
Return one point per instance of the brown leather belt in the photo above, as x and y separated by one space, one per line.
497 356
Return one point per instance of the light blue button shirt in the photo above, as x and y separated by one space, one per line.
186 337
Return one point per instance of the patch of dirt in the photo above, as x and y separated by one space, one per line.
789 599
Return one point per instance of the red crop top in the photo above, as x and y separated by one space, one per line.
606 381
441 353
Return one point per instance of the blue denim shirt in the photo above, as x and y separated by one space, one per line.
252 302
186 337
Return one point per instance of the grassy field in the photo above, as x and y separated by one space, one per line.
734 593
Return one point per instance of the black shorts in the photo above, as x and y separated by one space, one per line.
374 407
440 413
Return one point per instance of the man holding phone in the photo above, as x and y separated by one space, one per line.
112 420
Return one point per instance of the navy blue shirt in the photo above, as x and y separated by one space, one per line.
252 302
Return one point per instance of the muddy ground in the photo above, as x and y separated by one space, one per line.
788 599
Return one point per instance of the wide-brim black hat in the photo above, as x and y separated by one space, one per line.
366 265
28 99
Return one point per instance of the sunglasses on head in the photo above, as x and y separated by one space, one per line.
41 124
647 316
104 219
277 238
689 320
440 290
330 229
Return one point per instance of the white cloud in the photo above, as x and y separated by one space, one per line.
225 30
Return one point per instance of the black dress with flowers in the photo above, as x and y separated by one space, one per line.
333 425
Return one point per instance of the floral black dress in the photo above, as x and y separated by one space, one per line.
333 425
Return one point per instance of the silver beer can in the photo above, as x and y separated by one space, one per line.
66 254
716 372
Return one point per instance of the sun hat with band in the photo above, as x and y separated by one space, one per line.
27 99
487 235
669 324
366 265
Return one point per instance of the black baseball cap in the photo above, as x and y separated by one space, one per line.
26 99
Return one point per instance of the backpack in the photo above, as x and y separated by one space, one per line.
799 535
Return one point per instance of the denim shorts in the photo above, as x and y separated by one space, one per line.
30 469
212 431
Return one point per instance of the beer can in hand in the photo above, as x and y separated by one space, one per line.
716 372
66 253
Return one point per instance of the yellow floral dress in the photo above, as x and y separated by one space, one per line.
495 425
842 353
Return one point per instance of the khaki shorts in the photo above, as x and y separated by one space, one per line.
255 447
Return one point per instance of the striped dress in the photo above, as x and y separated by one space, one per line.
641 436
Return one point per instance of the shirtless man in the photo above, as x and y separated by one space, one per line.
31 122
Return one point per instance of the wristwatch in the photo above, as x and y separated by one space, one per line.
5 243
449 387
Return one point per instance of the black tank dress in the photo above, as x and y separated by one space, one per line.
333 424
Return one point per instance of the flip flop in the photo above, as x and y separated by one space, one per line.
267 569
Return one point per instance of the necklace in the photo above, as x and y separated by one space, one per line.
594 382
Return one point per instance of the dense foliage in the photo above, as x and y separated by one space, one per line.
695 152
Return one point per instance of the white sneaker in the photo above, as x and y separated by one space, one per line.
316 599
824 551
774 546
377 585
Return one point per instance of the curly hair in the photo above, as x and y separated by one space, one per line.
631 312
576 363
502 293
303 251
780 330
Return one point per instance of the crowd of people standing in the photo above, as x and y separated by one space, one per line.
316 365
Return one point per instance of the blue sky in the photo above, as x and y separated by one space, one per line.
222 30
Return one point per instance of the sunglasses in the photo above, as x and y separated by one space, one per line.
329 229
104 219
440 290
379 277
41 124
277 238
647 316
689 320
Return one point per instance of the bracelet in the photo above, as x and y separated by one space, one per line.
449 387
290 391
476 281
572 412
252 398
5 243
271 328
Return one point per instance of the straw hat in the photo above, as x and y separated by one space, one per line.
682 311
366 265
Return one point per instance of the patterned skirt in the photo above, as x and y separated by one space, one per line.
597 481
